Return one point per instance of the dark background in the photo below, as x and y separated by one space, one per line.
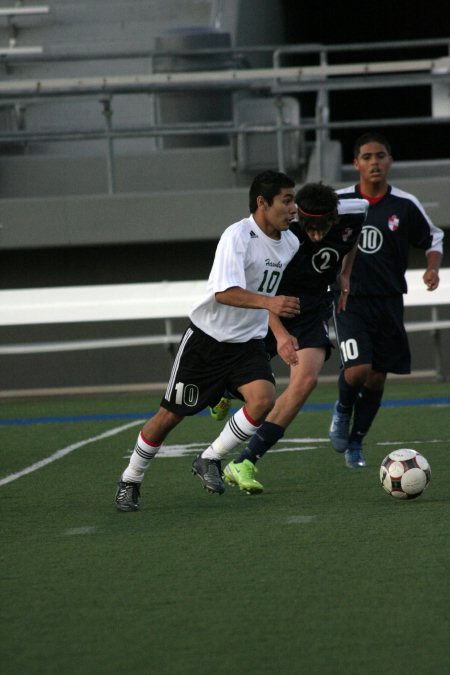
359 22
354 22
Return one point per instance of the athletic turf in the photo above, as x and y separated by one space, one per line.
322 574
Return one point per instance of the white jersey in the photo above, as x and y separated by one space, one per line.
248 258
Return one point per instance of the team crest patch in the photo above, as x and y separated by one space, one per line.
393 223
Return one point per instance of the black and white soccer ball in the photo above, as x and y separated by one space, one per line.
405 473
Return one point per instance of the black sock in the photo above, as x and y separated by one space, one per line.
264 438
347 394
366 408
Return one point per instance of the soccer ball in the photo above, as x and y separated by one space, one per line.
405 473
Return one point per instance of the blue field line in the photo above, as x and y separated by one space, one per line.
100 417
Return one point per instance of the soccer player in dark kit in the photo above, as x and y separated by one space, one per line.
328 230
371 333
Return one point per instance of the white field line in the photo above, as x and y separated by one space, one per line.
183 449
178 450
74 531
66 451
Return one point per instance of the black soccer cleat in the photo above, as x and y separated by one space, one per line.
210 473
127 496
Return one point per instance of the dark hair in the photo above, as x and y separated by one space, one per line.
370 137
317 204
267 185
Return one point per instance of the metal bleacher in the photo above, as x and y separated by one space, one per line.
125 123
98 117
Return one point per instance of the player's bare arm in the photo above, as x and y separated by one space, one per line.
281 305
431 274
287 344
344 277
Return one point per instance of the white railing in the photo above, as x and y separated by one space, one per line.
168 301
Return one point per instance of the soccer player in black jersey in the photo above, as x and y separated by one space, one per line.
371 333
328 231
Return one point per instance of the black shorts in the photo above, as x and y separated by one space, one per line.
310 327
371 330
205 368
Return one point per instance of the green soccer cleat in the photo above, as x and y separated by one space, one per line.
221 410
242 474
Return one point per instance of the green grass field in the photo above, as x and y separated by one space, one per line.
322 574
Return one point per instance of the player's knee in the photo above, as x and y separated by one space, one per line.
161 423
375 379
266 404
355 376
301 387
310 383
259 408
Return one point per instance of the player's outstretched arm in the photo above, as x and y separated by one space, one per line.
281 305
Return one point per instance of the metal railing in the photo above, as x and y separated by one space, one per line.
274 81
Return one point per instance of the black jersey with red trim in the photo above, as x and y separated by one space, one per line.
316 264
393 224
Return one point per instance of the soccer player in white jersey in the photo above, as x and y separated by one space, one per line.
223 348
371 332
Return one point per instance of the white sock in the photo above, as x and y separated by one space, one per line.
141 457
239 428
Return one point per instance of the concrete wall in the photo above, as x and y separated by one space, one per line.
173 215
252 23
91 26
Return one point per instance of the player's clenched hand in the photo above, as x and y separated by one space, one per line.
285 306
431 279
287 349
